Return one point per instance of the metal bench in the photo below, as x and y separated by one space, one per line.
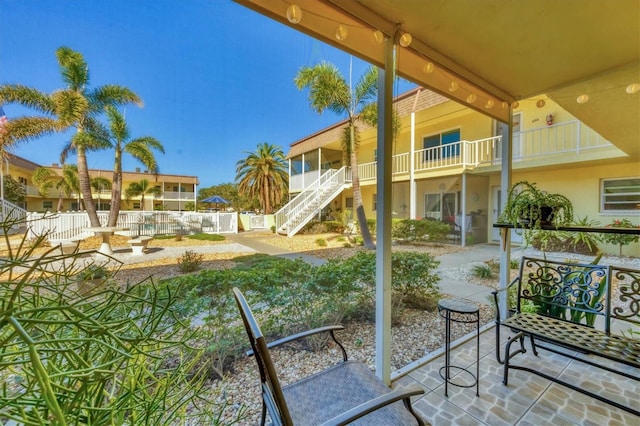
139 244
563 307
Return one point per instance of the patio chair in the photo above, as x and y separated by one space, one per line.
348 392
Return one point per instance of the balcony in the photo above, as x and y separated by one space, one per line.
556 140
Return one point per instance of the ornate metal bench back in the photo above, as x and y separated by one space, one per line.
570 291
625 303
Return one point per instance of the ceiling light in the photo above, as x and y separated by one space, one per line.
453 86
582 99
633 88
428 68
341 32
294 14
405 39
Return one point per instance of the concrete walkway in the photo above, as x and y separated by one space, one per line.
450 284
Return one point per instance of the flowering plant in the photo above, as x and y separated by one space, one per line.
621 239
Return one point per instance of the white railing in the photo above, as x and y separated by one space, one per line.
308 203
175 195
9 211
299 181
64 226
562 138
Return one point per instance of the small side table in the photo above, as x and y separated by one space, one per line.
461 312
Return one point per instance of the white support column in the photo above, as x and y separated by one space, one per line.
463 212
412 166
383 216
506 129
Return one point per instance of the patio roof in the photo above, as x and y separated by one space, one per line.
489 54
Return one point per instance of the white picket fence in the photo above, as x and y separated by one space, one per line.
67 226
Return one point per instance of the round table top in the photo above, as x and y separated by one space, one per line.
458 306
107 228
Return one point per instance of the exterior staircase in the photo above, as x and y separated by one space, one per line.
13 213
308 204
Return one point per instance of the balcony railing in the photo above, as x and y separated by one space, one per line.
568 137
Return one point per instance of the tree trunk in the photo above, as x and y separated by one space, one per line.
116 191
361 216
85 187
267 197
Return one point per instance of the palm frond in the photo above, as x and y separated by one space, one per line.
25 129
27 96
73 67
112 94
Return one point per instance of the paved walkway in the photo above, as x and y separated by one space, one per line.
450 284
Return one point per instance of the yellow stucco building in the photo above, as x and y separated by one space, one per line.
447 165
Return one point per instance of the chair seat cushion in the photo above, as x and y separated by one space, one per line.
322 396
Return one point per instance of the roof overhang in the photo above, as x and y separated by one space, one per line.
489 54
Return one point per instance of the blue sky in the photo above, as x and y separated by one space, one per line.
216 78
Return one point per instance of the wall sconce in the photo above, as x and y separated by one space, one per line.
633 88
550 119
540 103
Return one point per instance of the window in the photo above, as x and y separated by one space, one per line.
22 180
47 205
375 203
348 202
136 205
620 194
444 142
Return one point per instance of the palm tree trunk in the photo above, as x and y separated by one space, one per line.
116 191
267 197
361 216
85 187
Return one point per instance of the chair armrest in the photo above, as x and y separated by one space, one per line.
495 297
326 329
374 404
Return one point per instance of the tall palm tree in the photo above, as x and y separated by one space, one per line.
139 148
140 189
263 174
98 184
66 184
75 106
328 90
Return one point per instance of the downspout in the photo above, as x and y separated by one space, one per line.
383 215
412 162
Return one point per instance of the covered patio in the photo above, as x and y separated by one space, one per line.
527 400
583 54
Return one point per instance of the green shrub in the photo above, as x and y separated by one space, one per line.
321 242
190 261
483 271
118 356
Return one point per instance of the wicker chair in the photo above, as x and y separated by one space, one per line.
345 393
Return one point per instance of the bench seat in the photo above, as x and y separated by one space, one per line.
69 246
139 244
589 340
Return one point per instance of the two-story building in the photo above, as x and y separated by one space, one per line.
172 192
446 165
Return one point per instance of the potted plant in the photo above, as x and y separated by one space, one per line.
530 208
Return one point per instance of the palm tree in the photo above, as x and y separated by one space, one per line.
67 183
98 184
75 106
263 174
140 148
140 189
328 90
